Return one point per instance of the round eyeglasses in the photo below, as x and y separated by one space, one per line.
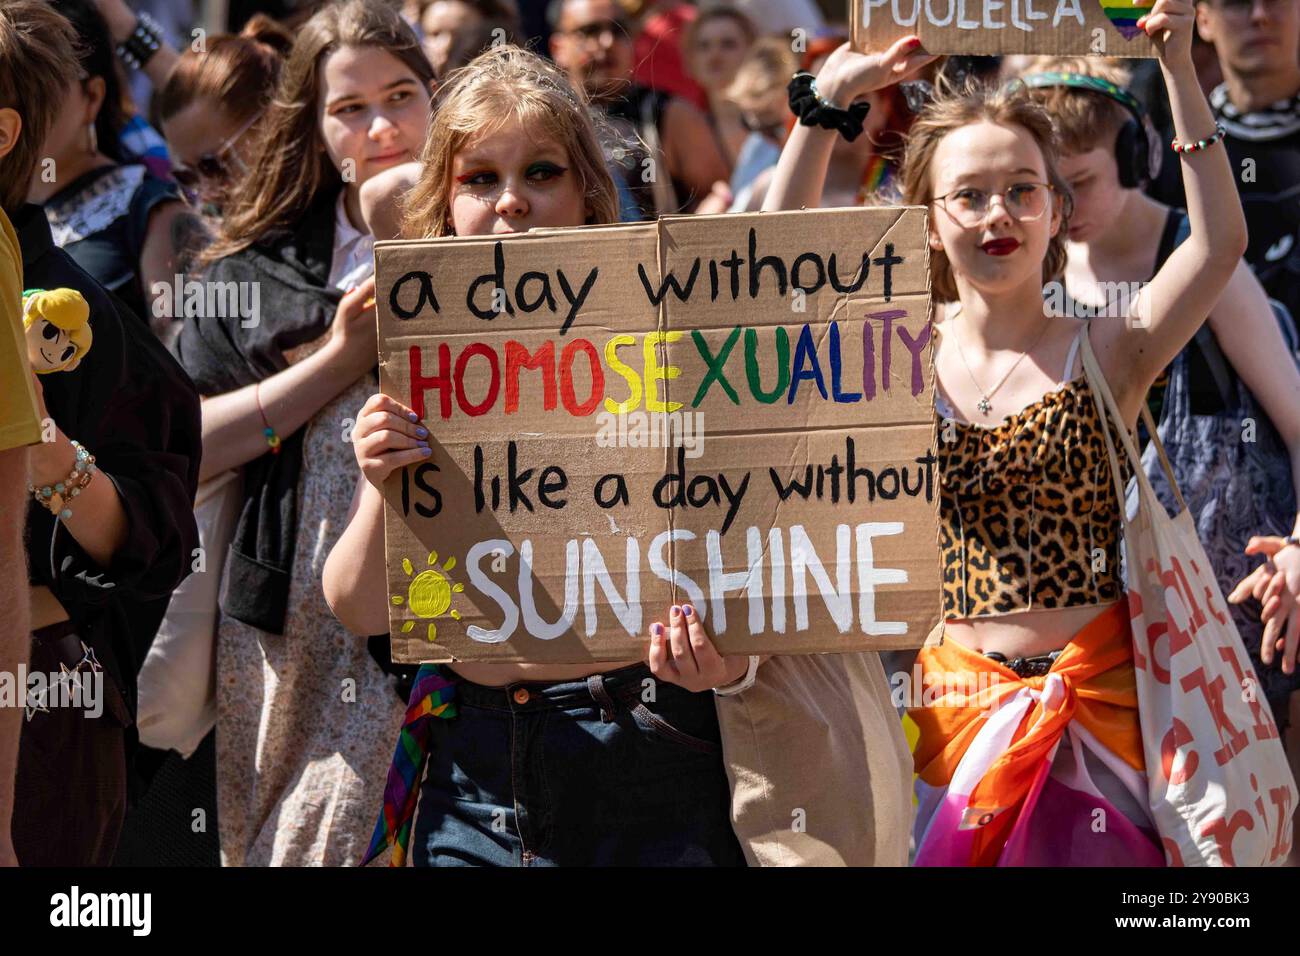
969 206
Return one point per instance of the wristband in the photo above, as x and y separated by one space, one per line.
145 40
272 439
1200 144
744 683
58 496
812 110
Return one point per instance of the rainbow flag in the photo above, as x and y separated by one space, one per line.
1124 16
432 695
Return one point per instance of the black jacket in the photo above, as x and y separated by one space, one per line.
133 407
291 268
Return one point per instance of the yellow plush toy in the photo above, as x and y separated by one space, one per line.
57 323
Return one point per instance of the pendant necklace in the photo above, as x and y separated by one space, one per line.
984 404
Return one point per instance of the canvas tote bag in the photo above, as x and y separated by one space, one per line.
819 768
1219 788
178 689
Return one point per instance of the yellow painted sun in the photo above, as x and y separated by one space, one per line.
429 593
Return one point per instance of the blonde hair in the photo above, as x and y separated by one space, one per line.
65 309
766 69
1084 120
293 166
953 109
506 82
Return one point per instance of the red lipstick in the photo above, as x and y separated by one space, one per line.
1000 247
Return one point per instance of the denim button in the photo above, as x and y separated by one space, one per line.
521 695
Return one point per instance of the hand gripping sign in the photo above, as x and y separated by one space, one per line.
734 411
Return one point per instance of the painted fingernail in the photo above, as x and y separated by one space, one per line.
688 610
412 416
657 630
913 43
421 432
426 451
675 610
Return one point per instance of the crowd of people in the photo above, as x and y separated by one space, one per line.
203 538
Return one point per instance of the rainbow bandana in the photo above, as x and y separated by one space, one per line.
431 696
1124 16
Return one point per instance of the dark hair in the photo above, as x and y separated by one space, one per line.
294 167
237 71
97 59
35 67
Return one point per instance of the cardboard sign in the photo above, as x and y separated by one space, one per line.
730 411
988 27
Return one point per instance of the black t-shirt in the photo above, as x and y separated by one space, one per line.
133 407
1264 149
101 219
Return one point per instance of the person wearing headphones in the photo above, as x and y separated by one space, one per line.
1229 403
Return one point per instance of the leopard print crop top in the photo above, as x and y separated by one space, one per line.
1028 516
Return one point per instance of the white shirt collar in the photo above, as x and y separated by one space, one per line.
353 258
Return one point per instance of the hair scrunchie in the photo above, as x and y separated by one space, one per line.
807 104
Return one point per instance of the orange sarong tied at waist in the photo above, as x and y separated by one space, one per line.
1091 682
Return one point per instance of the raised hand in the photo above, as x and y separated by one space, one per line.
847 75
1170 24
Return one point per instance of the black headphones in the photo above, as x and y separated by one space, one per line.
1136 151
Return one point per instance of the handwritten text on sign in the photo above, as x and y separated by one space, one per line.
1060 27
733 411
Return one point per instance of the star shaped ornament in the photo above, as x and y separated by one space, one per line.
36 702
88 657
69 676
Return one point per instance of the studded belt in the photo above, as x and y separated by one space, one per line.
1026 666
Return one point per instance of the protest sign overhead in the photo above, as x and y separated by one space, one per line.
730 411
989 27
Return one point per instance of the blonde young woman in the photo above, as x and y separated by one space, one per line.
543 764
1026 489
301 705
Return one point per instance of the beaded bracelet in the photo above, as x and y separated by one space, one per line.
145 40
272 439
1200 144
58 496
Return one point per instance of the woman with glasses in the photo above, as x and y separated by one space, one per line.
118 221
211 105
1036 736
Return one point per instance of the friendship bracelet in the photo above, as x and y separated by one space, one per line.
272 439
58 496
812 110
1200 144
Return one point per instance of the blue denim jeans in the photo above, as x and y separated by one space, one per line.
617 769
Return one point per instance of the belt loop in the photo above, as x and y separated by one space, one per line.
596 687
